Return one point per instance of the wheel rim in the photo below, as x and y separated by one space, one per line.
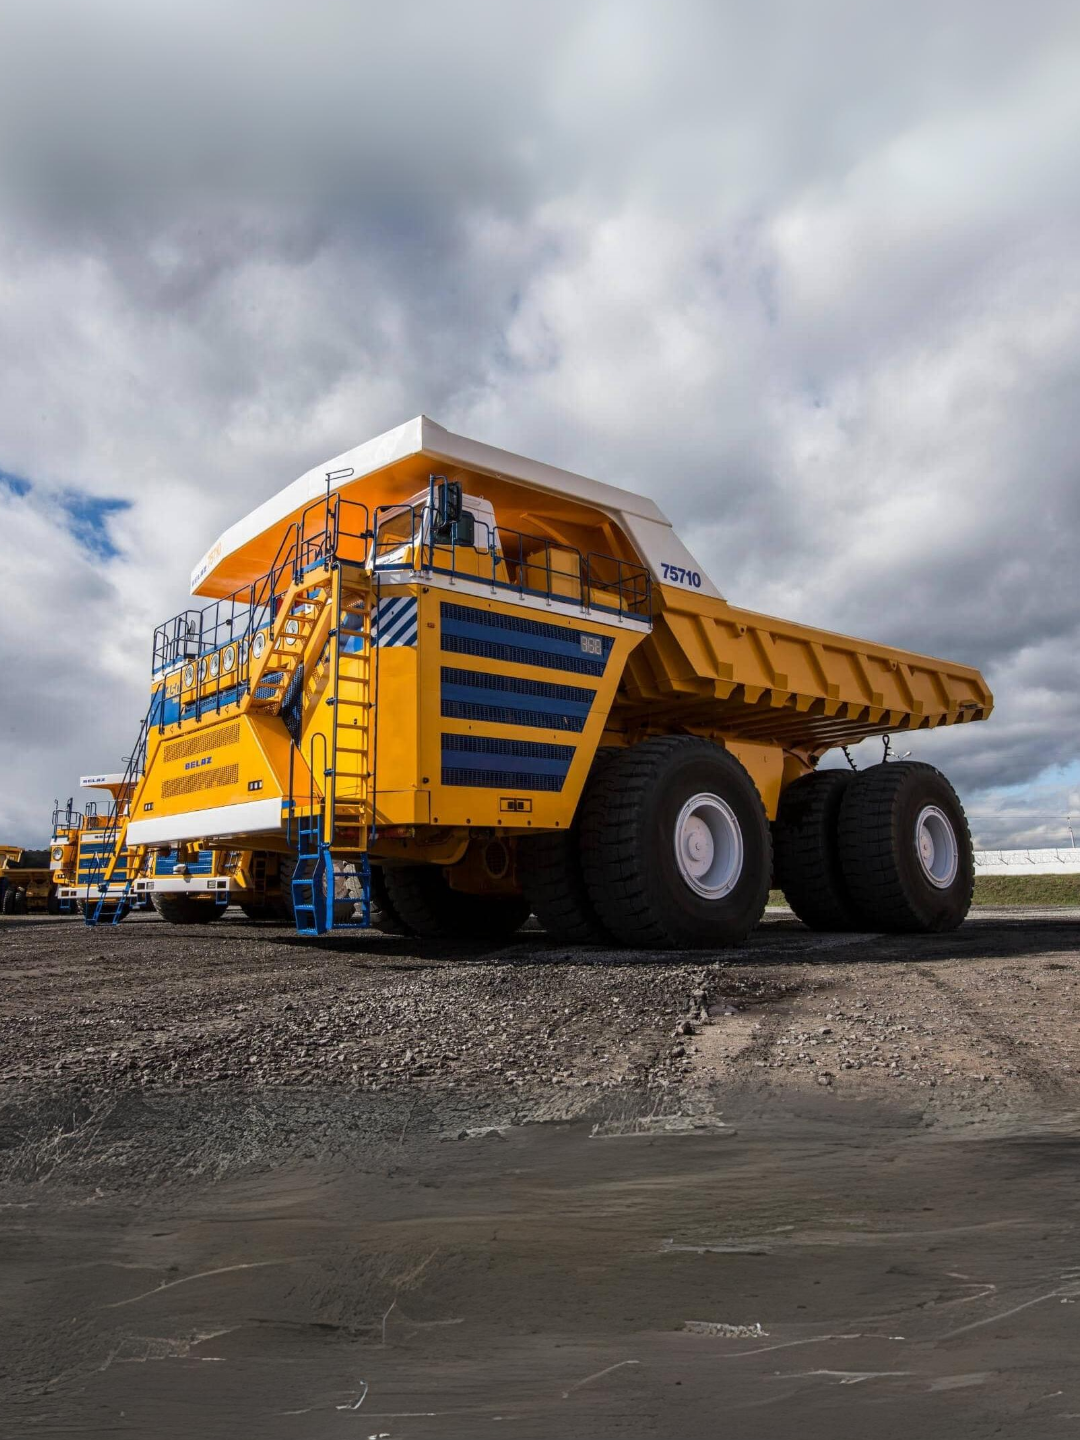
709 846
936 847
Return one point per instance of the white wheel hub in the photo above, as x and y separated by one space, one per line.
709 846
936 847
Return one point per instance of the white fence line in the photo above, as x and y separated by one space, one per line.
1027 862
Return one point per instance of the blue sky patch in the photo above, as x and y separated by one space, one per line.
15 483
87 519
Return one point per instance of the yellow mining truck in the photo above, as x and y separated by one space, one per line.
187 885
24 883
447 686
84 841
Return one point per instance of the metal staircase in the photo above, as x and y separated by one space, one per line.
302 613
344 818
116 906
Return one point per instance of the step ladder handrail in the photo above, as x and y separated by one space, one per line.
115 832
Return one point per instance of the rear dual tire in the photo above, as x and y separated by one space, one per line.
806 851
905 849
886 849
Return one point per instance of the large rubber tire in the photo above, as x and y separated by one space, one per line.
184 909
422 897
266 910
879 849
384 917
628 846
806 851
7 905
553 879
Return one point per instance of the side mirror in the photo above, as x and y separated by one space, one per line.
453 523
448 502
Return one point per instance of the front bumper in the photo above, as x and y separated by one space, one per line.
219 886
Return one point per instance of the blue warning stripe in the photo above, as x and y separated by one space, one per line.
394 621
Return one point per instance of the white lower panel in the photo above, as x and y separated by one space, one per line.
248 818
184 885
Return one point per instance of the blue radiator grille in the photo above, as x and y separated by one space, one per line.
469 630
508 700
504 764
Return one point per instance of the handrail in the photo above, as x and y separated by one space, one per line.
512 560
111 845
69 817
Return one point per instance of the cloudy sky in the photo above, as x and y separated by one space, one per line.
808 274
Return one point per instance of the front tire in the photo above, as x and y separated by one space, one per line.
384 917
424 900
676 846
553 877
906 849
184 909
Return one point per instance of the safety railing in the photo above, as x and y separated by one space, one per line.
410 538
213 646
68 818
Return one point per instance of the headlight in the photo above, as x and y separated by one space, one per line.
215 665
189 676
228 658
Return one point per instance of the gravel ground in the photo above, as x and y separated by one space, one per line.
255 1185
983 1017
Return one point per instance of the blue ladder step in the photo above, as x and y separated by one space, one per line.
313 877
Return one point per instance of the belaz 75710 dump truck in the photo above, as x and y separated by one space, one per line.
471 686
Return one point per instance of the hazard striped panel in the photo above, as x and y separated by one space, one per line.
394 621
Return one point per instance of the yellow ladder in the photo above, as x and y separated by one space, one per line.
348 814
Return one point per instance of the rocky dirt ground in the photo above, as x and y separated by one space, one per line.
983 1017
251 1184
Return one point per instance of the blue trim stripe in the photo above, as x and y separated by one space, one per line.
166 864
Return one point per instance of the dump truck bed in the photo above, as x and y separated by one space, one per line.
755 677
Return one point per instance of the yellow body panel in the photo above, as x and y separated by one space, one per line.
204 765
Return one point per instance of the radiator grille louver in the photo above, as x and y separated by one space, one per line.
202 741
200 780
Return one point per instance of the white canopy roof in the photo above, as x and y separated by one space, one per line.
644 524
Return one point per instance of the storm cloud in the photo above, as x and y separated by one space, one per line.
808 275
